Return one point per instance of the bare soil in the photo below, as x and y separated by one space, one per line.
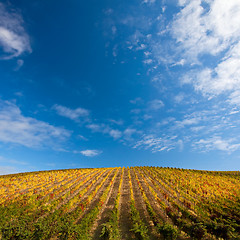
141 207
97 196
125 223
107 209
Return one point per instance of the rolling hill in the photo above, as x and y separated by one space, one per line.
120 203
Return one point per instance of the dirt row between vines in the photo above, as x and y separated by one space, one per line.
46 185
73 182
97 196
107 208
125 221
84 197
93 203
141 207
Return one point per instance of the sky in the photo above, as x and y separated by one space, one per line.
119 83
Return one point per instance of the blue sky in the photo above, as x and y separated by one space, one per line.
119 83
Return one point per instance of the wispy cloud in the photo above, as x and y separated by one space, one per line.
188 121
73 114
148 61
7 170
9 166
15 128
117 122
20 63
179 98
11 161
193 130
157 144
104 128
130 134
98 127
156 104
14 40
217 143
115 133
149 1
90 153
137 100
82 137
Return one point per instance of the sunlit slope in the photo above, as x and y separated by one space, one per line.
120 203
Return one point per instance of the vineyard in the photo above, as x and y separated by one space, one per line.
120 203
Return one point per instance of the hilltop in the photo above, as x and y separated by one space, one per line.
120 203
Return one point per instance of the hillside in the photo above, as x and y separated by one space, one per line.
120 203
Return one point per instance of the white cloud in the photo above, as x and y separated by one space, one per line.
15 128
157 144
73 114
149 1
234 111
117 122
188 121
156 104
147 117
90 153
19 94
103 128
114 30
11 161
197 128
215 31
148 61
136 111
181 63
14 40
211 31
82 137
166 121
141 47
7 170
108 11
147 53
129 133
217 143
115 133
179 97
97 127
20 63
136 100
225 77
194 129
115 50
234 97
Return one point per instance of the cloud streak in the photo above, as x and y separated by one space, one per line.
7 170
156 104
17 129
217 143
105 129
156 144
73 114
90 153
14 40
